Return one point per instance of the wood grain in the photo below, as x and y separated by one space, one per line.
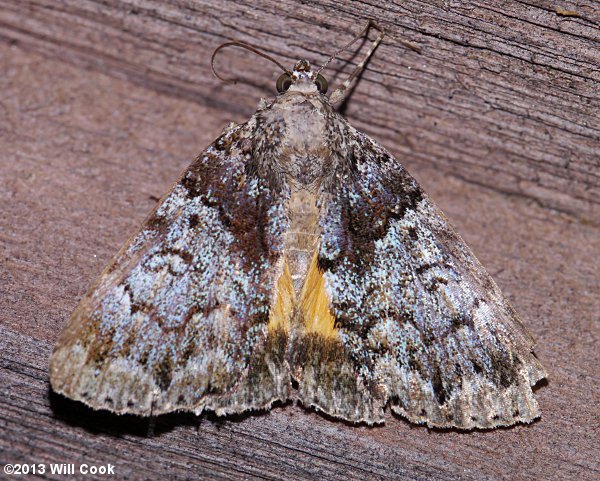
103 103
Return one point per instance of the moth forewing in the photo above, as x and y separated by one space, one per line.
179 320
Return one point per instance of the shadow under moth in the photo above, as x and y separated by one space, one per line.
297 259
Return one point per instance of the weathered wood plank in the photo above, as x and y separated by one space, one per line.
504 95
83 154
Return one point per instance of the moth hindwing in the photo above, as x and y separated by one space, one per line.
295 248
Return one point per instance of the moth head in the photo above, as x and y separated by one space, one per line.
301 79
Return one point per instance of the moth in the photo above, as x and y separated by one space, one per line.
296 258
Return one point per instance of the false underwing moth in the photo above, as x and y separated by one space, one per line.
296 258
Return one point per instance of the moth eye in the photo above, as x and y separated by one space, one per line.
321 84
284 82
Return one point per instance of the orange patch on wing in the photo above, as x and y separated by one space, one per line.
281 312
314 302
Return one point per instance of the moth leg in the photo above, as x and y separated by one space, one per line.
151 426
342 91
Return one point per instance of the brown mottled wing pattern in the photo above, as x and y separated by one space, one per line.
420 322
179 318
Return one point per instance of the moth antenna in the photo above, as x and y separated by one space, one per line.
341 92
370 23
237 43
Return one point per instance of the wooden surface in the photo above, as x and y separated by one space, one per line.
103 103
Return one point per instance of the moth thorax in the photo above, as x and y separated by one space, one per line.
305 148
